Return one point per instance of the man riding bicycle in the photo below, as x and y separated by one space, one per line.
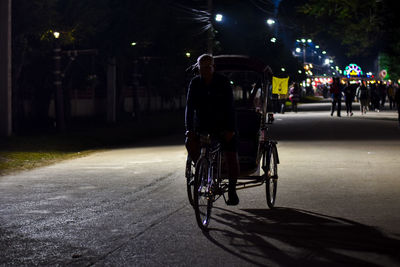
209 109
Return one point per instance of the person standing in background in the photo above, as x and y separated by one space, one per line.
336 94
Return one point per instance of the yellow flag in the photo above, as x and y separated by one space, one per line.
280 85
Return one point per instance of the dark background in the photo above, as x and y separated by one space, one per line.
362 32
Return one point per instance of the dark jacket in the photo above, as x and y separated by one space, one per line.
397 96
209 108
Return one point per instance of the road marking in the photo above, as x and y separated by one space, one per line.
149 161
104 167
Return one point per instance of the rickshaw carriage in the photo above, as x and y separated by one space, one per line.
258 156
250 79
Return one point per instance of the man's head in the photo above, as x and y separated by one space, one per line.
205 63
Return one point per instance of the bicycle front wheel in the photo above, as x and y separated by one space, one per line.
202 194
189 173
272 175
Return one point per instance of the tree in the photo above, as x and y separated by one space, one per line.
363 28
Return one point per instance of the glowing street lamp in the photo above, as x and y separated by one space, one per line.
270 22
273 40
56 35
219 17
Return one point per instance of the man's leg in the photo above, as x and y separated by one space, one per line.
398 111
333 106
232 161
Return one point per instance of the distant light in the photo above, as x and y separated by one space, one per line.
327 61
270 21
299 71
298 49
303 40
273 40
324 52
283 69
133 43
188 54
219 17
317 46
232 82
298 40
309 41
56 35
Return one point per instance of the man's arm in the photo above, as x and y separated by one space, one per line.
189 111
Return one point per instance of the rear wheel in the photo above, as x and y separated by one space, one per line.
189 173
272 175
202 197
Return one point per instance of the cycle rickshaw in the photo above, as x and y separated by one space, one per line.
258 156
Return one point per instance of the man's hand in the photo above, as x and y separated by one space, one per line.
229 136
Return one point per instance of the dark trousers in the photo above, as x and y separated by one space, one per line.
349 105
398 111
338 101
392 103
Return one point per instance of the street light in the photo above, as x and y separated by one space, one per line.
219 17
59 98
56 35
270 21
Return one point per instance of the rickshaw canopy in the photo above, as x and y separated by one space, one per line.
240 63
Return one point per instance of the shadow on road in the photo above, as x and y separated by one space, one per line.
292 237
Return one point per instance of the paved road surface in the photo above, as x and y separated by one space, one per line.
338 204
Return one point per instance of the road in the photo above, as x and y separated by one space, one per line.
337 205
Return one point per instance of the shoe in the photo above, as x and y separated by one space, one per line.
351 114
233 198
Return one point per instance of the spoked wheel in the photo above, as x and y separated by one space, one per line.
189 173
272 175
202 194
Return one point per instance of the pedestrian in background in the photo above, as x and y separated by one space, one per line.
336 94
382 92
294 96
349 93
375 99
397 99
391 94
363 97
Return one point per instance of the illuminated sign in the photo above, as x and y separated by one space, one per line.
353 70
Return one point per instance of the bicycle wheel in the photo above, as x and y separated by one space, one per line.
202 197
272 175
189 173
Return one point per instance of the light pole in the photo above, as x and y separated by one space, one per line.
5 68
59 97
210 30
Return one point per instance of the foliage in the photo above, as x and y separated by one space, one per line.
364 27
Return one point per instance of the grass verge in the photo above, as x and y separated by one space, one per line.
40 149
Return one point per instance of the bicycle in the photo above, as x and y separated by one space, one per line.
209 185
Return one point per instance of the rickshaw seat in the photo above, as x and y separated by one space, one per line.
248 123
